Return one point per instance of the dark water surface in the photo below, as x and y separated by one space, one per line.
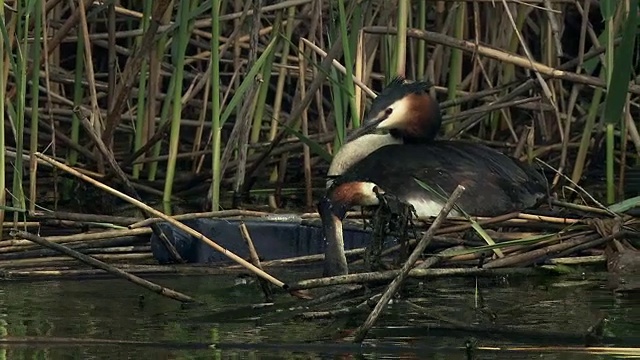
441 317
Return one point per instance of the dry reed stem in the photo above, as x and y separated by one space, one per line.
157 213
107 219
500 55
55 261
374 277
96 120
132 68
106 267
579 260
433 260
116 245
38 255
108 154
362 331
549 219
339 67
209 214
315 85
22 224
523 44
190 270
20 245
255 260
298 260
534 255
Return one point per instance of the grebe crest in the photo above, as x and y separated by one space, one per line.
406 110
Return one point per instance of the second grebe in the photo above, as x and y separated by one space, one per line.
495 183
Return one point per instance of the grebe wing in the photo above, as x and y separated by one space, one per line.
494 183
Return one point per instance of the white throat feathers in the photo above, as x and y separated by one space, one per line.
356 150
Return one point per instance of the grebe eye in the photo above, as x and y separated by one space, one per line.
388 111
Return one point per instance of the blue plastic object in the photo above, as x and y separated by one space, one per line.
274 237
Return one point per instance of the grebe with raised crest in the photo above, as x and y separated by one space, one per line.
391 163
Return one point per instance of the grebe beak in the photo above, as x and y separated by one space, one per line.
362 130
367 127
335 261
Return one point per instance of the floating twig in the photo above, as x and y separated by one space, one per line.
532 256
255 260
89 218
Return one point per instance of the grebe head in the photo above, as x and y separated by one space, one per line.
404 109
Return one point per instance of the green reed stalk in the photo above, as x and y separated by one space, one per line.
585 141
239 94
3 63
348 49
422 45
179 53
249 78
282 74
35 92
455 68
357 23
141 115
216 127
618 72
401 38
508 72
78 95
21 86
340 95
338 111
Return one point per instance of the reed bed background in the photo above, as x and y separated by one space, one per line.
217 104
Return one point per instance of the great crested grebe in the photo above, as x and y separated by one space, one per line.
495 183
395 95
